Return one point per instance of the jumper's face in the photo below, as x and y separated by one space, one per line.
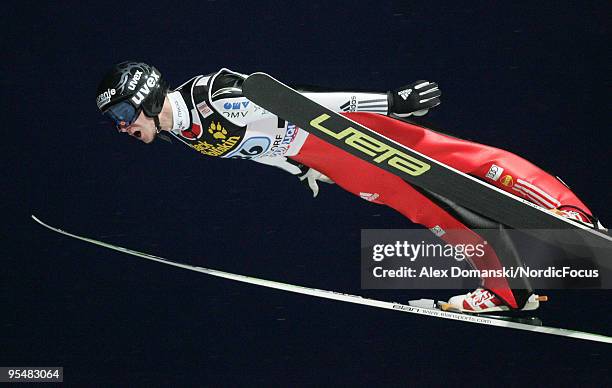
143 129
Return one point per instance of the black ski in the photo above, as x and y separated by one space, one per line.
421 170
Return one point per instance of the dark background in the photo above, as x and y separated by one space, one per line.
533 79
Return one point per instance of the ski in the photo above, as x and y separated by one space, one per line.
421 307
422 171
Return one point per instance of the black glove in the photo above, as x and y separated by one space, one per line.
414 99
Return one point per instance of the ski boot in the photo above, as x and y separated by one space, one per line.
484 301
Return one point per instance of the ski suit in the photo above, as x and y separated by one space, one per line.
212 117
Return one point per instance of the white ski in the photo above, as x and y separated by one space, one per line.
421 307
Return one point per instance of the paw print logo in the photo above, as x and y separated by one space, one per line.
217 131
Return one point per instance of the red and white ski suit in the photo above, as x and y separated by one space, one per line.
212 117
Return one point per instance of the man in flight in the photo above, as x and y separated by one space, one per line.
209 114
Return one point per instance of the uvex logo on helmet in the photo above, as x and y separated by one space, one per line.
146 88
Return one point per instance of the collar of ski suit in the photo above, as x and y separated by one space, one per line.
180 113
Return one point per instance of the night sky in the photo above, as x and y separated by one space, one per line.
532 79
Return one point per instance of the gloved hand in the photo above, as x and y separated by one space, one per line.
414 99
311 177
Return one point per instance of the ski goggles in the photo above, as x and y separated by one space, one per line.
122 114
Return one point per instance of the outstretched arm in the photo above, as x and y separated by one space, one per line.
413 99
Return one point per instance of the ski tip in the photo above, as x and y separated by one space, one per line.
259 74
256 75
39 221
